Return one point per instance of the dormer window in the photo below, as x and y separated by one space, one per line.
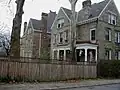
60 23
112 19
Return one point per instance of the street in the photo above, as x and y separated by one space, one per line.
105 87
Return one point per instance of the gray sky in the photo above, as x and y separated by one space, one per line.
33 8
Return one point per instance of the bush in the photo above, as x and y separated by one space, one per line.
109 69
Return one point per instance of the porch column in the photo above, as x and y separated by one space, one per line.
58 54
85 54
65 54
96 55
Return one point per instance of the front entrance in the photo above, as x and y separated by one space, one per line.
86 53
80 55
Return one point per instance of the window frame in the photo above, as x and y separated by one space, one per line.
61 37
117 36
60 23
94 29
111 18
109 31
66 35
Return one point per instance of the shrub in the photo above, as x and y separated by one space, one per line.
109 69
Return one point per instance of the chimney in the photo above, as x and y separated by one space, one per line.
25 25
44 21
86 3
44 15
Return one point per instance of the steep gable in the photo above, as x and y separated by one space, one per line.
61 14
91 12
110 8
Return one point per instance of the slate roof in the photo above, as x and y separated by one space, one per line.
68 12
37 24
88 13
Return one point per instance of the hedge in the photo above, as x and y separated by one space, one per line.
109 69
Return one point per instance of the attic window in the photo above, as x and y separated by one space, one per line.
60 23
112 19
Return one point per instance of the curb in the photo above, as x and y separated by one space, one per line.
80 86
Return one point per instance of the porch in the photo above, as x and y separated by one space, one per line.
84 53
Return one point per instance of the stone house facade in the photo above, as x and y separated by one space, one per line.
98 32
35 42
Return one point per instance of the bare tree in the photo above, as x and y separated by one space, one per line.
5 38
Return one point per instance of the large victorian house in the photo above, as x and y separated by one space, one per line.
97 30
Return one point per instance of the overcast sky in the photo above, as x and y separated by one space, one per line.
33 8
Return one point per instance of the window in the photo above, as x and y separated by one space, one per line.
60 23
117 55
66 36
117 37
92 34
108 54
61 37
112 19
108 34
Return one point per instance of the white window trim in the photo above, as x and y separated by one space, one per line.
118 37
90 34
110 35
112 17
60 21
110 54
118 55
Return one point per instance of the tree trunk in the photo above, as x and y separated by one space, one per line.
16 29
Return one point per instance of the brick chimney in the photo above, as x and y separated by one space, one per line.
86 3
44 21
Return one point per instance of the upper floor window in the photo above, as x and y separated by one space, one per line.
112 19
66 36
61 37
108 34
60 23
117 37
92 34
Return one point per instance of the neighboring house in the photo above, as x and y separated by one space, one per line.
98 32
35 42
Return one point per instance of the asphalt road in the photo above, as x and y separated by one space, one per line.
105 87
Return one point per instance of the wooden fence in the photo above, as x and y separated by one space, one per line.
45 72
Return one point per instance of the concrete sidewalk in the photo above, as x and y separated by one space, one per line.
56 85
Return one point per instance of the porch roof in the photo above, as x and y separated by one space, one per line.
86 42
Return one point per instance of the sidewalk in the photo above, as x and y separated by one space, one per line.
58 85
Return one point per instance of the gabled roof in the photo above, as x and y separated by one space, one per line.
93 11
36 24
68 12
88 13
